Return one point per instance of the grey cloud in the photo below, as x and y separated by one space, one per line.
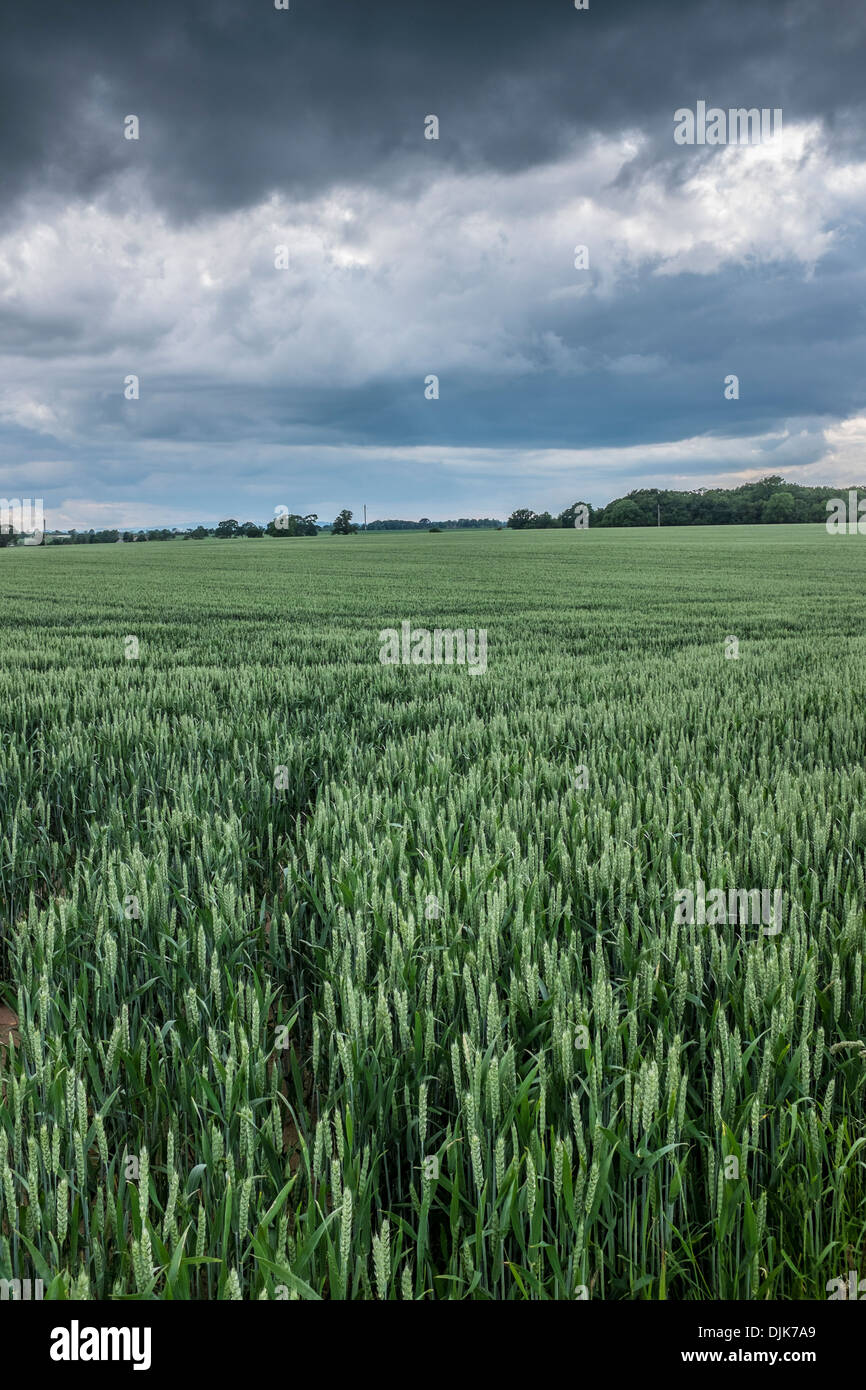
237 100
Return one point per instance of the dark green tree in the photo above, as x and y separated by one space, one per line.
343 524
780 508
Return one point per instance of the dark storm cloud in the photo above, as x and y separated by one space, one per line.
237 99
409 257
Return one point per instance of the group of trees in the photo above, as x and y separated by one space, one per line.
284 524
110 537
465 523
291 525
526 520
771 500
768 501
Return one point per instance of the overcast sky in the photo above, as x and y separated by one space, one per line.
305 386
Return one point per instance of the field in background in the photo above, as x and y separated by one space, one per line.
417 1021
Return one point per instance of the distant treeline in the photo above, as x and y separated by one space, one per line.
285 526
108 537
771 500
465 523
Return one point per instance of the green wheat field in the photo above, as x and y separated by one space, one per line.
336 980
